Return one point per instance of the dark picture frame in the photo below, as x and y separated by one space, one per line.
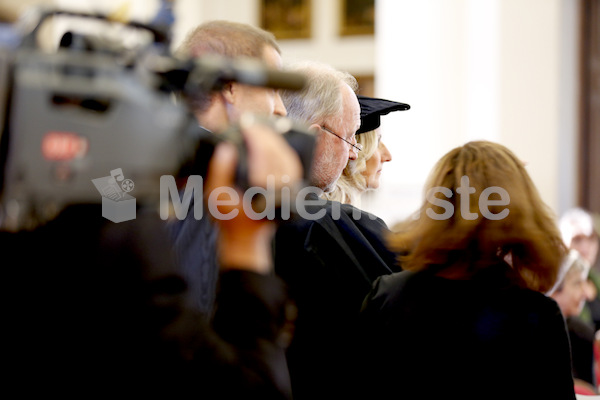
357 17
286 19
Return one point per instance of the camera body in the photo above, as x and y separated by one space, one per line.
74 115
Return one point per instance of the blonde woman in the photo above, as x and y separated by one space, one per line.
363 173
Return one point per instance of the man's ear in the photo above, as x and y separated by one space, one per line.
229 92
315 129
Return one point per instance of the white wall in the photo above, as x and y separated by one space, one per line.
189 13
502 70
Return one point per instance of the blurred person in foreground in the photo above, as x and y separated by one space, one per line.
104 304
468 317
95 306
329 256
364 173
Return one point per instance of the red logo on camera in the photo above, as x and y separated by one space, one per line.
63 146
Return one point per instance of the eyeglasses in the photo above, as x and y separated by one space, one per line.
358 146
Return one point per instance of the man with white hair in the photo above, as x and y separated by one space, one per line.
329 106
331 255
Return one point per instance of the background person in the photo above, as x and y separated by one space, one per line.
467 317
577 229
569 292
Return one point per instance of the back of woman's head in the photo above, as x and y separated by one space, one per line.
482 209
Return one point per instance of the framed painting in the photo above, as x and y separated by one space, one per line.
357 17
286 19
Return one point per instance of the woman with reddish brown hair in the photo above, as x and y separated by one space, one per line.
468 318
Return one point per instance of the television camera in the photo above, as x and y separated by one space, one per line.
93 106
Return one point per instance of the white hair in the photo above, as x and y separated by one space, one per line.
321 97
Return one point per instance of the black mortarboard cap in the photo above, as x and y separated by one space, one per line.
371 110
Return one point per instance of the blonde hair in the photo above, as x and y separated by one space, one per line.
528 235
351 184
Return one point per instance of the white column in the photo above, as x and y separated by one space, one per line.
500 70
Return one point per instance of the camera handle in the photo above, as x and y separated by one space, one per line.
160 36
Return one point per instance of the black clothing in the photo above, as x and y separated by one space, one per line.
593 307
581 336
101 306
195 247
591 312
329 265
195 241
429 337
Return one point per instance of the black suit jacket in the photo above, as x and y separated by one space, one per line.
427 337
582 338
329 265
